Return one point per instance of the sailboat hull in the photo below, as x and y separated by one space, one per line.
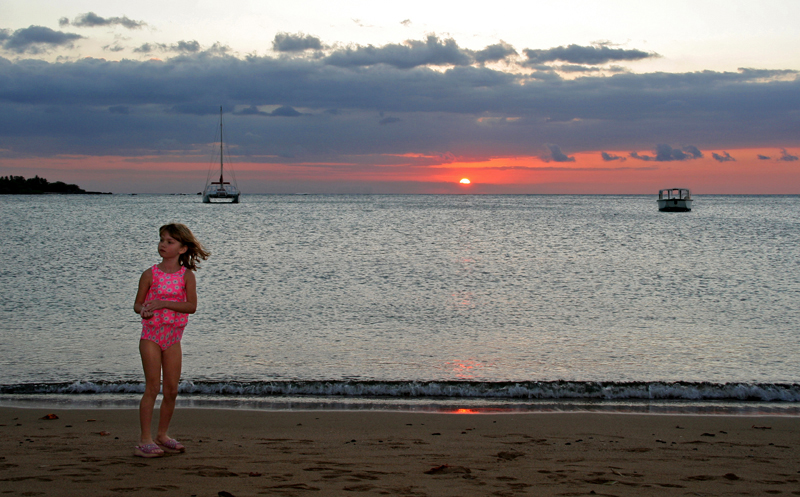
214 198
225 193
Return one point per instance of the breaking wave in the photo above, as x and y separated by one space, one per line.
542 390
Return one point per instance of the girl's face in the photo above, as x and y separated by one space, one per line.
169 247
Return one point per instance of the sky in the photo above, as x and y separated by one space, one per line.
522 97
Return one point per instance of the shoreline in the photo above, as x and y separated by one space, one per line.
244 453
430 405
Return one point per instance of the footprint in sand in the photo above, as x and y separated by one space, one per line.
701 478
358 488
509 455
447 469
293 486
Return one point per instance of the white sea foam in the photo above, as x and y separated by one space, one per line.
475 390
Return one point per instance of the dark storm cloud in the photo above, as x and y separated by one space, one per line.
665 153
558 156
91 20
285 111
187 46
577 54
766 73
725 157
469 109
494 53
413 53
282 111
787 157
36 39
285 42
251 111
194 108
181 47
114 48
693 151
611 157
573 68
150 47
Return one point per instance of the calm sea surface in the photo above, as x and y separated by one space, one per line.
492 300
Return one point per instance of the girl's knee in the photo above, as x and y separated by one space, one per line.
151 389
169 389
170 393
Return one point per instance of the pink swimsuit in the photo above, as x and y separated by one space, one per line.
166 326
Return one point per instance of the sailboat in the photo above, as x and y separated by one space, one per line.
221 190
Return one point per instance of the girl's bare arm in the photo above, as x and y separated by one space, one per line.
144 286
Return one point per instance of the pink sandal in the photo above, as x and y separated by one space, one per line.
148 450
172 446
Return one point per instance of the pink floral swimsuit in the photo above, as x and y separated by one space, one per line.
166 326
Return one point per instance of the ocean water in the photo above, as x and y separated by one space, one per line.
366 301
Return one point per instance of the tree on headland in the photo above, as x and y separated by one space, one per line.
18 185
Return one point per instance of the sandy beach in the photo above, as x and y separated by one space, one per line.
247 453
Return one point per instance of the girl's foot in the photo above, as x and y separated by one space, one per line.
148 450
171 446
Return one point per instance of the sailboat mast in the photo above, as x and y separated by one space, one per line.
220 146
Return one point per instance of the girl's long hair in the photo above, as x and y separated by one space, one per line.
195 250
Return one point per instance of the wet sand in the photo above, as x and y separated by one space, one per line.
248 453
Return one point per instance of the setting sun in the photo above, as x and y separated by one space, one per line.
465 181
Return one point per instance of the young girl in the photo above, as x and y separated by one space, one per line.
167 295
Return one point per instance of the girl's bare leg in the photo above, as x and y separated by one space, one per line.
151 362
171 360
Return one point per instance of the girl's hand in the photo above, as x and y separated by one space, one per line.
149 307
